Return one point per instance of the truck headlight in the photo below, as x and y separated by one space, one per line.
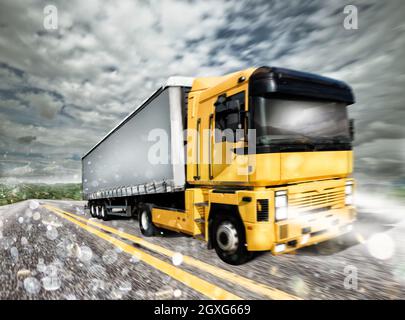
281 205
349 193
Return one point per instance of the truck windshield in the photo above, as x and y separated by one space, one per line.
321 125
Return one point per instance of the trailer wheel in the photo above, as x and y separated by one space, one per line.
146 225
97 212
103 213
93 211
229 240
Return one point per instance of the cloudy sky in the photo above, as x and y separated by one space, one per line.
62 90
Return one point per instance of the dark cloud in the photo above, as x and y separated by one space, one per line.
70 86
26 139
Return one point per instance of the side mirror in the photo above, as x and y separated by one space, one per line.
221 100
351 129
220 104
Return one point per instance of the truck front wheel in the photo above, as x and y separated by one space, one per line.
229 240
145 221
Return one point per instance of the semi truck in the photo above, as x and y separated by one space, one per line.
279 179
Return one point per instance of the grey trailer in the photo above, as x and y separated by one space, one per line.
145 153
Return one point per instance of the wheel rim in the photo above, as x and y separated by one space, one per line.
102 212
92 210
227 237
144 220
97 211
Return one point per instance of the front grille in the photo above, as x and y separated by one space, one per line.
262 210
310 201
283 231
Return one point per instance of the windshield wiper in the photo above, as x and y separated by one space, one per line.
332 140
289 139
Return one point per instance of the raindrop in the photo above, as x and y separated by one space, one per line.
116 294
97 284
177 293
52 233
32 285
381 246
61 249
14 253
110 256
65 248
165 293
274 271
177 259
118 250
72 248
41 267
51 270
134 259
299 286
141 294
125 272
24 241
33 205
399 274
125 286
36 215
51 283
85 254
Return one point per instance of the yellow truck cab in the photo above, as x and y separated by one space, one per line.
268 164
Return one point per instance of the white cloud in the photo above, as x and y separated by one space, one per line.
47 105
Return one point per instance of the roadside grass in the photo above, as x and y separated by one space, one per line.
398 192
15 193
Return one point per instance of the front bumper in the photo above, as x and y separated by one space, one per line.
300 232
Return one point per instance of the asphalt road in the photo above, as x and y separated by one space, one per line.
49 254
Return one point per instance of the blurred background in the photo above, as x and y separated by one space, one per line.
63 89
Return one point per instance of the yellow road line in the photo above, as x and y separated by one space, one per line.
206 288
218 272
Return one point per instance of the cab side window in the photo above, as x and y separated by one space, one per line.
228 117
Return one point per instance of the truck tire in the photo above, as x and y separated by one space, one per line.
97 211
103 213
229 240
93 211
146 225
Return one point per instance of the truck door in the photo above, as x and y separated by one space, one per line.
227 162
